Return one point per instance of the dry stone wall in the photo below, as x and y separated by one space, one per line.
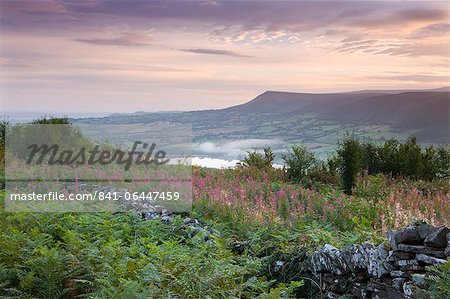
395 269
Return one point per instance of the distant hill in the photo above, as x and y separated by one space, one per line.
279 119
427 112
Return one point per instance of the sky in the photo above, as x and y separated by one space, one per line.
98 56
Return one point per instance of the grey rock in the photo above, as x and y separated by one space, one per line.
340 285
151 216
375 286
239 247
146 207
391 256
166 219
412 268
212 230
357 256
278 266
331 295
374 271
438 238
376 266
421 249
388 266
391 238
447 249
429 260
397 283
395 256
192 222
195 222
405 255
328 259
408 235
425 230
390 293
206 235
419 280
407 289
192 233
397 274
194 229
158 209
402 263
359 291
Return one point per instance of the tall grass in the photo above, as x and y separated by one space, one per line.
378 202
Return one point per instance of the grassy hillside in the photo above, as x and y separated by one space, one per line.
244 224
318 120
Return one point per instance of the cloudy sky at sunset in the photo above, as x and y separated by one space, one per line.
111 56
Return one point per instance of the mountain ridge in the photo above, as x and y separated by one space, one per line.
318 120
424 110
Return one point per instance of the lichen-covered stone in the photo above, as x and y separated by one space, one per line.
429 260
278 266
391 238
402 263
397 274
368 271
376 266
419 280
407 289
328 259
397 283
166 219
357 256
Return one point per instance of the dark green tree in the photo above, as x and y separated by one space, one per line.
390 161
350 153
269 156
50 120
333 164
410 159
370 158
443 162
255 158
298 161
430 164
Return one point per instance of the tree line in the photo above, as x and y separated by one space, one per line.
352 157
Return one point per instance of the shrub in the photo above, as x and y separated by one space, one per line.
333 164
389 158
51 120
370 158
350 153
406 160
440 282
258 160
321 173
298 161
